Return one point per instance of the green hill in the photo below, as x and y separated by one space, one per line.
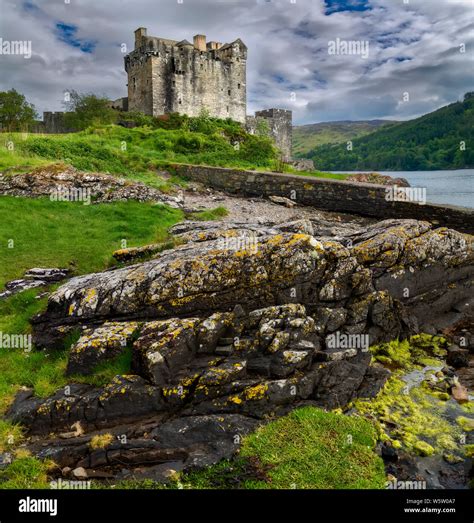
433 141
139 153
308 137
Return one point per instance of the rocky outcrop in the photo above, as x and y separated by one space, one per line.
236 325
359 286
33 278
380 179
230 362
63 182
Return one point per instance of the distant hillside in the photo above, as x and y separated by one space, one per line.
308 137
433 141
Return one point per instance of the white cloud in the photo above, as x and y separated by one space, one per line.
287 51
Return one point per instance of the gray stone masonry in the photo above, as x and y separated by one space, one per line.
167 76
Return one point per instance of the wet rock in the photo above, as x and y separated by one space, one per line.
388 452
460 393
457 357
208 438
80 473
337 382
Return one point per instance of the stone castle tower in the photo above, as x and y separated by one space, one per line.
166 76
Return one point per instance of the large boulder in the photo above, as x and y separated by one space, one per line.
213 272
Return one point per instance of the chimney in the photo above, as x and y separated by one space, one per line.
139 34
200 42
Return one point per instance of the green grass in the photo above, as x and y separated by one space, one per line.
12 162
26 472
11 434
104 372
140 153
307 449
143 153
320 174
16 311
210 214
42 233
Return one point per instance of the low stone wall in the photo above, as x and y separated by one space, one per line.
331 195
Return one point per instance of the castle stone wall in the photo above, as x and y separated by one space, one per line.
331 195
165 76
54 123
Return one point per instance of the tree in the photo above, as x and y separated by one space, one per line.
16 114
87 110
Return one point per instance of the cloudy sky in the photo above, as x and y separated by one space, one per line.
415 47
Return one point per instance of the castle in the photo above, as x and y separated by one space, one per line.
167 76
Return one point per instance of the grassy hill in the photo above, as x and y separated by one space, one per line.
307 137
140 152
433 141
144 153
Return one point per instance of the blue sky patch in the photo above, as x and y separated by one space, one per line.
67 34
338 6
30 6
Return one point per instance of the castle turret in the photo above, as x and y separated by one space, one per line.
213 46
139 34
280 127
200 42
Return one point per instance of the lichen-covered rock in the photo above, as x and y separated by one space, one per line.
75 185
377 178
125 397
99 345
163 348
276 358
250 320
397 256
33 278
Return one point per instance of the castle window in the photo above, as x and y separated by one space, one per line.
228 92
227 108
238 86
179 101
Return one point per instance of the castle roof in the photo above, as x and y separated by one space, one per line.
238 41
184 43
165 40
